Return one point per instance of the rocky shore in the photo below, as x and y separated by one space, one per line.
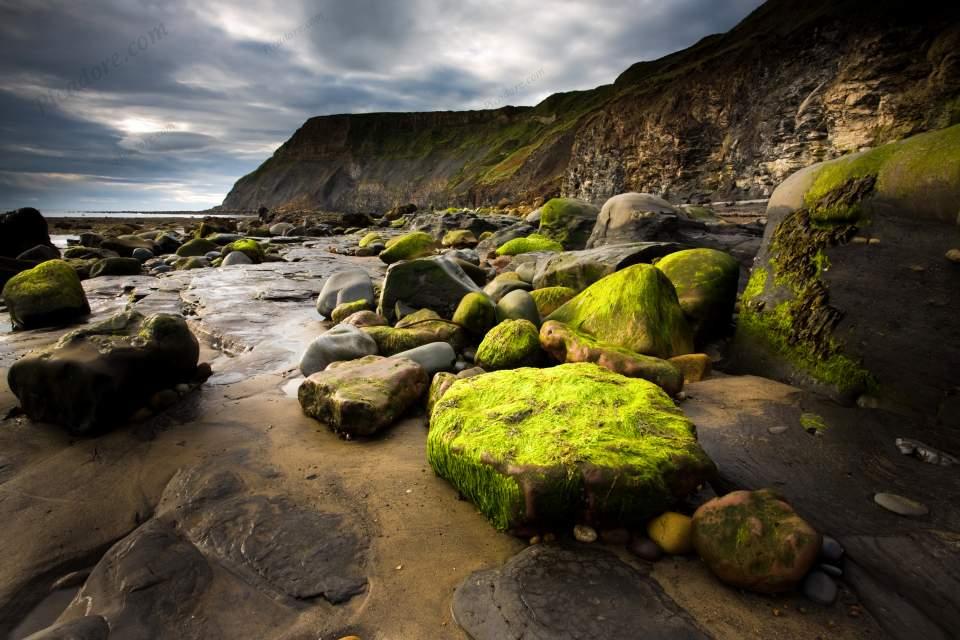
633 419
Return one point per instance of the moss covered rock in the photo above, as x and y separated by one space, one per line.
694 366
362 396
436 283
248 246
459 238
755 540
371 238
635 308
673 532
503 284
509 345
346 309
533 242
116 267
572 443
549 299
706 282
46 295
96 376
197 247
392 340
476 313
566 345
568 221
412 245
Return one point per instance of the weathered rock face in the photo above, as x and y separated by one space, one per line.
574 442
852 292
732 116
96 376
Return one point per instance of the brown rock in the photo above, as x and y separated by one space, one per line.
694 366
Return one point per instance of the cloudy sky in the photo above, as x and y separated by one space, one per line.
163 104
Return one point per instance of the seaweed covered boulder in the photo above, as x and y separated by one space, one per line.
572 443
635 309
476 313
371 238
412 245
509 345
96 376
567 345
851 293
755 540
706 282
458 238
535 242
196 248
116 267
568 221
248 246
46 295
393 340
361 397
436 283
549 299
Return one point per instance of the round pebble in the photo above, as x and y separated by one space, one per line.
831 570
820 588
645 549
901 505
584 533
777 430
831 550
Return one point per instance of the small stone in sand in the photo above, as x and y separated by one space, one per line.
901 505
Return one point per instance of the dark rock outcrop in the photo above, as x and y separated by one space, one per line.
21 230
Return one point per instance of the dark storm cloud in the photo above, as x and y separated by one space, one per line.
162 104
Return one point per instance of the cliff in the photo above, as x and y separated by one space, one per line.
796 82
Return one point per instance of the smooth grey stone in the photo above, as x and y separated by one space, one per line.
496 289
461 365
212 255
820 588
526 271
236 257
342 342
344 286
777 430
433 357
142 254
281 228
831 550
901 505
518 305
436 283
161 268
831 570
467 255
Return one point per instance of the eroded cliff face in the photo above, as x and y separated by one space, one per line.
731 117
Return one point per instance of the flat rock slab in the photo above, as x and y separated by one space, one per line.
557 593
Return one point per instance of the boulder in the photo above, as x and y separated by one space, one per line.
98 375
46 295
362 397
549 299
489 243
347 309
516 305
413 245
706 282
342 342
344 286
633 217
568 221
248 246
21 230
459 238
365 319
438 224
673 533
442 381
566 345
10 267
572 443
186 264
694 366
142 254
476 313
281 229
399 211
476 273
433 357
392 340
510 345
116 267
635 309
235 257
197 247
124 245
580 269
40 253
850 294
503 284
91 627
435 283
754 540
531 244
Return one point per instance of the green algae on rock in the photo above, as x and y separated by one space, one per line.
509 345
412 245
706 283
549 299
346 309
635 308
568 221
248 246
197 247
459 238
567 345
46 295
572 443
392 340
476 313
755 540
533 242
371 238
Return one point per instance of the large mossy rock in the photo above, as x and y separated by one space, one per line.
579 269
566 345
754 540
46 295
436 283
533 243
706 282
391 341
96 376
549 299
568 221
361 397
412 245
21 230
476 313
248 246
635 309
116 267
509 345
572 443
851 293
633 217
196 248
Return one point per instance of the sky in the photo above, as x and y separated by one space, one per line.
159 105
